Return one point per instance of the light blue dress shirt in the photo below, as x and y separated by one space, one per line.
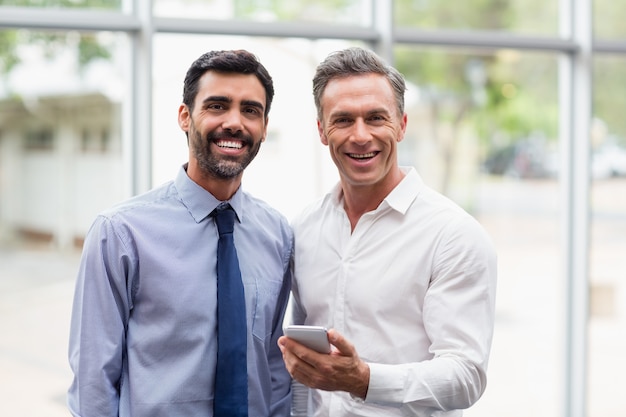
143 330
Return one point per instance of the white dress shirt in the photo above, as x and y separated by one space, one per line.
412 287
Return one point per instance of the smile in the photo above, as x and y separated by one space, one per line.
230 144
362 155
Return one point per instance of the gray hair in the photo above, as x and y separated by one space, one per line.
355 61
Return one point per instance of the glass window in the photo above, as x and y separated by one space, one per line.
483 129
608 19
61 92
356 12
529 16
607 339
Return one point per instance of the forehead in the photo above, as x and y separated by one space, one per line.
356 91
235 86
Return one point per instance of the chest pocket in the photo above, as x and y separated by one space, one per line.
265 306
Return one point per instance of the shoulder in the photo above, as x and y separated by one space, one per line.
141 203
312 214
261 213
452 222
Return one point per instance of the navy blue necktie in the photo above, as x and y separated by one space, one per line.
231 377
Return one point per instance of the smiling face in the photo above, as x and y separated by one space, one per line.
225 127
361 126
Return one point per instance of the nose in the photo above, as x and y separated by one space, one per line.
232 121
360 132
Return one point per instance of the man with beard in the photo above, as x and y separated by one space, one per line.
144 329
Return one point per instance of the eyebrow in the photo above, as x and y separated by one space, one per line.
225 99
351 114
252 103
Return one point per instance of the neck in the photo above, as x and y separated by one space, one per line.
222 189
360 199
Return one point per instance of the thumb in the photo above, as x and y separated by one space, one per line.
341 343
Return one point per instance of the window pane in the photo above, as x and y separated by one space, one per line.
354 12
608 19
483 130
531 16
60 164
607 343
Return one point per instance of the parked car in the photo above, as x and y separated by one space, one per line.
609 160
523 159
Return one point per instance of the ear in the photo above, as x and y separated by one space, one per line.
403 127
320 130
184 117
267 119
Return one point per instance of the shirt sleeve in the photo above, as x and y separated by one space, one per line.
459 318
299 392
281 380
100 312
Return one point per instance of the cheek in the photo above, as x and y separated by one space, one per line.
328 136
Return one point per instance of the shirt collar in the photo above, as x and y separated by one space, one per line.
399 199
199 201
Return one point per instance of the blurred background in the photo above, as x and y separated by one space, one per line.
515 108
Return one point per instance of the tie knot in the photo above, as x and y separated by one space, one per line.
224 218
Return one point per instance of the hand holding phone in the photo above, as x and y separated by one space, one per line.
313 337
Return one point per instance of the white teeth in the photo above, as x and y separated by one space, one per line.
229 144
362 155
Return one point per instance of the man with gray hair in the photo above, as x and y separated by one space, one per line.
404 279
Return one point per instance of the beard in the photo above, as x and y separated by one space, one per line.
221 166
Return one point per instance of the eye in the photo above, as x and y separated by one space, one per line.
252 110
377 119
215 106
342 121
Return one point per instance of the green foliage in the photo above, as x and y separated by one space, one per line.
89 50
51 43
483 14
294 10
518 93
8 54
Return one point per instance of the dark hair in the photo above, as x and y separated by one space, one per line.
239 61
355 61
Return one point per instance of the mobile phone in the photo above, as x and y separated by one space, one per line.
313 337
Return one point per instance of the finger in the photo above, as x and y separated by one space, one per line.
344 347
292 349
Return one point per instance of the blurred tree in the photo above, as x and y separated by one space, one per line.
475 14
503 95
8 54
296 10
88 47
